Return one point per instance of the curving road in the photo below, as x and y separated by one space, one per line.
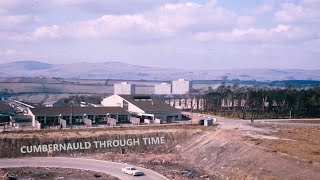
111 168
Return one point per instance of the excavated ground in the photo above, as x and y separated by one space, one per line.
236 150
32 173
257 152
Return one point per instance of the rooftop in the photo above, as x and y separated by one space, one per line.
148 103
28 104
4 119
77 111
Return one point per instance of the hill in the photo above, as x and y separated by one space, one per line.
116 70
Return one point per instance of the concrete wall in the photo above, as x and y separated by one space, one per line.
163 88
124 88
135 121
33 117
113 100
208 122
180 87
37 125
148 121
157 121
87 122
112 122
63 123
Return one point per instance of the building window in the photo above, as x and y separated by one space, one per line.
90 117
122 118
125 105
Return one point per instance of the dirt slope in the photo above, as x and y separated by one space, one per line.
230 153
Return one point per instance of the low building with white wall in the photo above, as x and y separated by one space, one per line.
50 116
144 107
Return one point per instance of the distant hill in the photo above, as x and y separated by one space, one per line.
26 65
111 70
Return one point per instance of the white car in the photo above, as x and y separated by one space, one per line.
132 171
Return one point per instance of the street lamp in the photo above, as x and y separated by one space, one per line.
108 117
60 121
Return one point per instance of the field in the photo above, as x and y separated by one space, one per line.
299 142
36 92
55 88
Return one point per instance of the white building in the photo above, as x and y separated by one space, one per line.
187 103
163 88
181 86
144 107
124 88
53 104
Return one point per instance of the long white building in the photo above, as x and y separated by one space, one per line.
144 107
124 88
163 88
181 86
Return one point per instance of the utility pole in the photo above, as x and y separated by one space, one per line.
290 115
71 117
71 113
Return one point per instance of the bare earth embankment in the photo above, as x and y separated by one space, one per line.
237 150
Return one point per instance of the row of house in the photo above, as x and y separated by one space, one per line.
187 103
116 109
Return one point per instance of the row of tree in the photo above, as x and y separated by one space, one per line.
254 102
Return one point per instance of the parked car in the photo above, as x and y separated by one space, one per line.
132 171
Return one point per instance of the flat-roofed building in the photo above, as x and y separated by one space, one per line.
124 88
6 109
144 107
163 88
53 104
21 120
181 86
50 116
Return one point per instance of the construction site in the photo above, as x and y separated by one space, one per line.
230 149
159 90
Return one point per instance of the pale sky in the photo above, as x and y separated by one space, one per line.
213 34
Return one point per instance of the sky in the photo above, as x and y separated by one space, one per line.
202 34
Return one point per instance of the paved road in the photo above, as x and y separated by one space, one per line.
229 123
111 168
